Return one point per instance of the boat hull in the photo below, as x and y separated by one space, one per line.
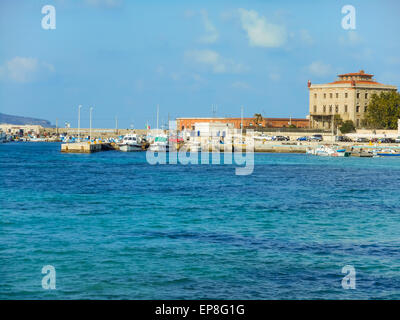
130 148
382 154
159 148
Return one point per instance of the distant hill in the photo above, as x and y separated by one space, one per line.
6 118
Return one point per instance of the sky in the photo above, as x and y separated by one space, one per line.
125 57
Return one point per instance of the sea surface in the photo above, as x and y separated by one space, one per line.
115 227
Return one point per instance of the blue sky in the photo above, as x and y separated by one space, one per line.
125 57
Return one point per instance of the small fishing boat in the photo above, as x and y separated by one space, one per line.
37 139
160 144
325 151
387 153
130 143
3 137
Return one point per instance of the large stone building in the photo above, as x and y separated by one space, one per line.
189 123
347 97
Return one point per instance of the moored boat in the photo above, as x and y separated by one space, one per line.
326 151
130 143
387 153
160 144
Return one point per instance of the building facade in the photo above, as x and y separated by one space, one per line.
347 97
189 123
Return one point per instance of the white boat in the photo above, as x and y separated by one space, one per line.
130 143
325 151
386 153
37 139
3 137
160 144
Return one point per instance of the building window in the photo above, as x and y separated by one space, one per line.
358 95
315 95
358 109
337 95
365 109
346 95
324 109
345 108
330 109
337 109
358 122
331 95
366 96
315 108
324 95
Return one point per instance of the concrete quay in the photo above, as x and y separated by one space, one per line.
85 147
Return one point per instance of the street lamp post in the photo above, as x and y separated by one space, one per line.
90 130
79 123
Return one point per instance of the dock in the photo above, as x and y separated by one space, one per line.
85 147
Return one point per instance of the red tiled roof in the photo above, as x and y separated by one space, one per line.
356 81
360 73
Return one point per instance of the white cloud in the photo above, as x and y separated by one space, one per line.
240 85
104 3
197 77
211 35
24 70
212 59
175 76
362 54
189 13
274 76
260 32
320 69
351 38
305 37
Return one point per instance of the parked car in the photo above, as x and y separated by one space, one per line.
316 137
282 138
386 140
269 138
342 139
362 140
305 138
397 140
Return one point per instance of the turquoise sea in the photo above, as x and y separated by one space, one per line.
115 227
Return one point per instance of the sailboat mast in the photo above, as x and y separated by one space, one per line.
158 109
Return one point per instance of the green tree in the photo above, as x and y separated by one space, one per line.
383 110
347 127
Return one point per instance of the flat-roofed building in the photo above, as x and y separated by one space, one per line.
189 123
347 97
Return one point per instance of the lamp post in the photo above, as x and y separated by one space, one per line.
90 130
241 122
79 123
